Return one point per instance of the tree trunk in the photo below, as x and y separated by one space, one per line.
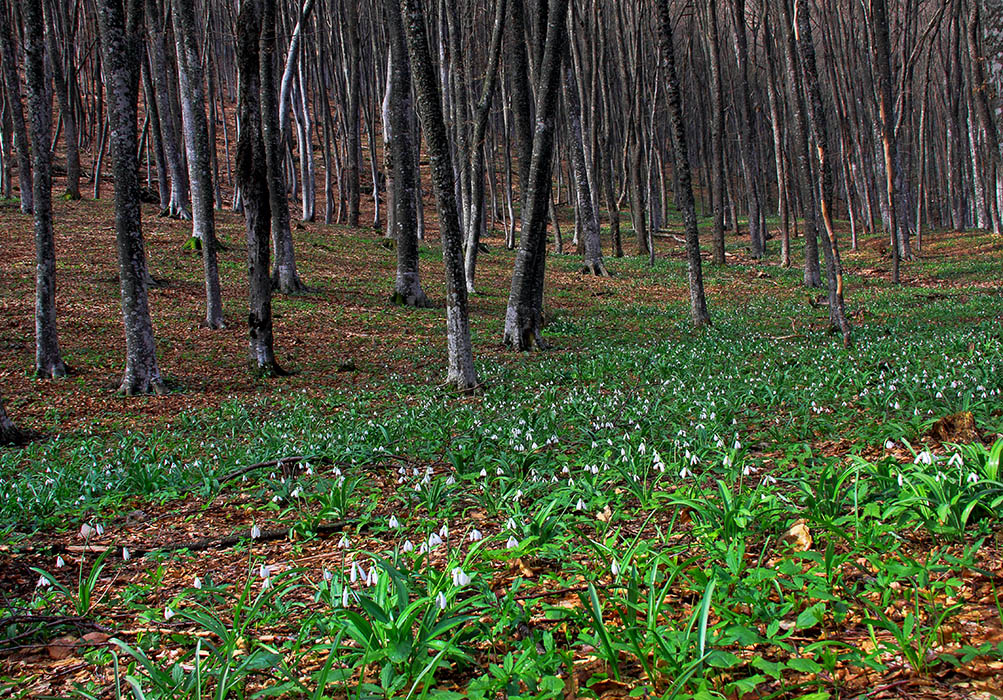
524 315
593 263
819 127
882 64
402 208
12 86
717 131
254 42
56 13
684 183
121 40
352 125
460 367
9 434
48 359
199 162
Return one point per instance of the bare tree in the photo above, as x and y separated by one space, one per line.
12 86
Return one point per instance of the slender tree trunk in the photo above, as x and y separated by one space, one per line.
121 26
460 366
402 208
524 315
255 40
199 162
61 77
593 263
882 63
353 143
48 359
717 132
819 127
12 86
9 434
684 182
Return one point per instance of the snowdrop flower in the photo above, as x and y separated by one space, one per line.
255 532
510 523
475 535
484 472
394 523
326 574
354 574
264 571
444 531
344 597
43 582
748 470
901 480
889 444
956 460
372 577
60 563
168 613
460 578
197 583
642 448
738 444
685 473
973 478
450 480
923 457
580 505
99 528
86 531
769 479
434 540
343 543
512 542
407 547
615 568
441 600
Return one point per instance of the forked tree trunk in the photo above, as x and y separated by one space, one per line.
460 368
684 182
253 181
121 40
12 86
48 359
199 162
524 314
403 175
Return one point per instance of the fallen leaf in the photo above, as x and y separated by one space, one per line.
798 536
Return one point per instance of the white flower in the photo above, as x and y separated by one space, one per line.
372 577
394 523
197 583
343 543
60 563
99 528
434 541
510 523
475 535
512 542
901 480
354 574
264 571
460 578
956 460
407 546
484 472
441 600
168 613
973 478
255 532
450 480
444 531
769 479
889 444
615 568
327 575
685 473
86 531
43 582
580 505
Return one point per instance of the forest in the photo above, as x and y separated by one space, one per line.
538 349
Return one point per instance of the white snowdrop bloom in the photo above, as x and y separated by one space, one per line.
394 523
43 582
168 613
372 578
897 406
738 444
499 471
441 600
565 470
344 597
512 542
580 505
60 563
355 573
475 535
748 470
434 541
510 523
407 546
197 583
326 574
900 480
889 444
642 448
344 543
86 531
484 472
769 479
99 528
444 531
694 459
450 480
685 473
264 571
460 578
255 532
924 457
126 556
615 568
973 478
518 495
956 460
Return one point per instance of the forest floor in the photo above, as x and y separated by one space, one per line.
748 511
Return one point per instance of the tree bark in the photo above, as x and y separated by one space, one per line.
882 64
403 175
684 182
253 181
460 367
12 86
48 359
717 132
353 143
524 315
62 77
593 263
9 434
121 26
199 161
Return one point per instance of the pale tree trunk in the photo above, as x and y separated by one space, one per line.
981 88
12 86
684 183
285 278
882 64
402 212
353 142
48 359
524 314
253 44
820 129
199 162
460 368
717 131
121 40
178 207
593 263
56 12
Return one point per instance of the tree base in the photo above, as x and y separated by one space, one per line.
289 285
523 331
597 268
136 386
269 370
413 298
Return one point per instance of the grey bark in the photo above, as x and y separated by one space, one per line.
524 314
717 131
12 86
352 125
460 367
62 77
121 25
196 133
9 434
401 169
48 359
684 182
